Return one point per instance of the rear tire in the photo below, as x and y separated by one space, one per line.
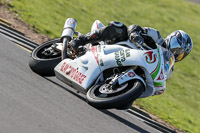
41 64
119 100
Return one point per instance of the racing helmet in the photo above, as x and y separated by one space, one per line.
179 43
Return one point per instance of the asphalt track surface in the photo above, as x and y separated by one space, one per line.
30 103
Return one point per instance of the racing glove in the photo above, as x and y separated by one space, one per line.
136 38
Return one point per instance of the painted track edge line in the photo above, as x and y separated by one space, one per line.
146 119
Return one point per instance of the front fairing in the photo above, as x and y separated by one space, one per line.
82 72
151 61
79 73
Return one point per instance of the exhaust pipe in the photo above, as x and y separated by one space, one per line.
67 34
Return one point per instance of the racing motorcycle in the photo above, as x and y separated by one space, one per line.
111 76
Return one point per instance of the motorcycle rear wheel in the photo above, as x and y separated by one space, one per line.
41 64
119 100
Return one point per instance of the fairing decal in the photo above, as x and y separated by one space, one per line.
95 53
157 69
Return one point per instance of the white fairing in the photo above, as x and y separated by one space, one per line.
82 72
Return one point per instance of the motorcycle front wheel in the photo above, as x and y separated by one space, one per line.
43 63
120 100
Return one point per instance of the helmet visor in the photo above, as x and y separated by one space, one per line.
179 55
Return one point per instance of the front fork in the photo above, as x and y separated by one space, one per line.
118 81
129 75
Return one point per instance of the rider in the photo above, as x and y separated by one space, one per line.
178 44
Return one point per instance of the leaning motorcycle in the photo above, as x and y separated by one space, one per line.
111 76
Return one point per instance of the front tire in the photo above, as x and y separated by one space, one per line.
41 64
120 100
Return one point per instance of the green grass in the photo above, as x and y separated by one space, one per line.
180 104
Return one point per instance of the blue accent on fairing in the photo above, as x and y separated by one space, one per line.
167 67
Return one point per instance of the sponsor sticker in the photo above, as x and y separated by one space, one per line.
150 57
131 74
96 52
73 73
120 56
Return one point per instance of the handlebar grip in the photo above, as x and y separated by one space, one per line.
69 29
